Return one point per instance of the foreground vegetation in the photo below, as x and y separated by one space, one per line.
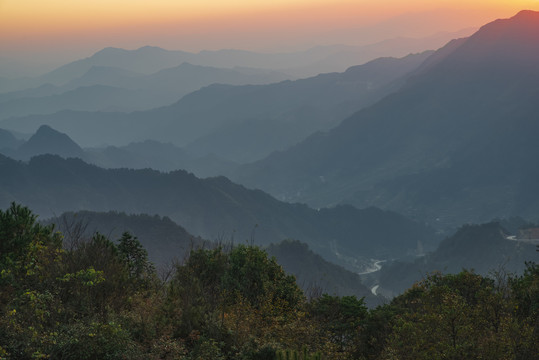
99 299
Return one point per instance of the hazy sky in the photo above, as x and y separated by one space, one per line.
45 30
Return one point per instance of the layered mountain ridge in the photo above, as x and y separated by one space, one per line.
241 123
212 208
455 144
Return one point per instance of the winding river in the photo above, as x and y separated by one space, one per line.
376 266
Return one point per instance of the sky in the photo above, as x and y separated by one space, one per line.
61 30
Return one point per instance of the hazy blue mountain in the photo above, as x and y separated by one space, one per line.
276 116
483 248
145 60
331 58
456 144
142 155
8 140
212 208
113 89
159 156
18 84
316 275
317 60
87 98
49 141
106 75
241 123
25 66
169 85
40 91
347 56
149 59
164 240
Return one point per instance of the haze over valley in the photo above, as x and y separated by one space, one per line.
380 172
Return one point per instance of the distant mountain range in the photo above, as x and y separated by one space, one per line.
457 143
140 155
241 123
212 208
483 248
49 141
8 141
115 89
150 59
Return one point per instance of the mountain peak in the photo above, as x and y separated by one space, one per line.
46 130
527 15
509 43
46 140
525 25
150 48
108 52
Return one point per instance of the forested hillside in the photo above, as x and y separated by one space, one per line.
168 243
102 299
164 240
211 208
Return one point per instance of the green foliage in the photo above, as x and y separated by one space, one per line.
232 296
102 300
295 355
339 319
253 276
526 292
134 256
18 230
462 316
206 349
94 340
375 330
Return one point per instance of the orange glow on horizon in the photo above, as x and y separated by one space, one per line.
204 24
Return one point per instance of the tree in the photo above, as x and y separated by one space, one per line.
339 320
134 256
18 229
460 316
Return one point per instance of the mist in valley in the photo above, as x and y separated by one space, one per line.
363 168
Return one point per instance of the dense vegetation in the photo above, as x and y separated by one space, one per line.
164 240
316 275
100 299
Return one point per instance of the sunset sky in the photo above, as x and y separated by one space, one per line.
60 30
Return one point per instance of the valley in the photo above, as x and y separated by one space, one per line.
365 201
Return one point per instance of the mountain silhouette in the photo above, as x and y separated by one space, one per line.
456 144
241 123
213 208
8 140
158 156
104 88
46 140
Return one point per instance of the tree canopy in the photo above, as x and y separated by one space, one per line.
102 299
